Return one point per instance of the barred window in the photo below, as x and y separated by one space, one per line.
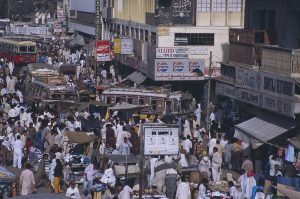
153 38
234 5
203 6
219 5
194 39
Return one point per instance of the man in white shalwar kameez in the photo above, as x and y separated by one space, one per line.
27 181
11 67
216 165
187 129
125 193
197 113
183 189
247 183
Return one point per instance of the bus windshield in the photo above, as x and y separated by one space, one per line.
31 49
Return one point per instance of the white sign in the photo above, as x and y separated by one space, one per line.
126 46
199 51
161 140
172 53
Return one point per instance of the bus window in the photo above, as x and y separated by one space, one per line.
31 49
22 49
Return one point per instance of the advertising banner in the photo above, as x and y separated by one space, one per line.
178 69
103 50
172 53
117 46
126 46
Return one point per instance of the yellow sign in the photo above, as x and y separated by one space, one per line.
163 31
117 46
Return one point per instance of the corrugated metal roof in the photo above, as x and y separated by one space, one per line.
266 127
137 77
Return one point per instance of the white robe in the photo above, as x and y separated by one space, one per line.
183 191
187 130
125 193
247 183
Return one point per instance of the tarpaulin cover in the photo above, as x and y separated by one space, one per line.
291 194
80 137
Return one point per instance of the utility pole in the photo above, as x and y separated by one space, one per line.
208 93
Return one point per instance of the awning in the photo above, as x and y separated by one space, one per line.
295 141
81 137
288 192
261 129
130 159
137 77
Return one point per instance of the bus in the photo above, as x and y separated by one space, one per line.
19 52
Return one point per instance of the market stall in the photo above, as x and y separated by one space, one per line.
77 160
8 183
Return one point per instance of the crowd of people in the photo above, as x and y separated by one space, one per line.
211 153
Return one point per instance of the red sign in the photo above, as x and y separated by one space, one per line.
103 50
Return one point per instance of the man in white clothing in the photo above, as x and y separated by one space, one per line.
18 152
183 189
72 191
187 144
216 165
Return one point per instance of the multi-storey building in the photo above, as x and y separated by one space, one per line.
263 70
170 37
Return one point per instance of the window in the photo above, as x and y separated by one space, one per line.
22 49
141 34
203 6
269 84
146 35
31 49
234 5
194 39
132 32
137 33
284 87
219 5
153 38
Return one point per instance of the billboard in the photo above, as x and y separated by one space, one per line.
117 46
103 50
126 46
172 53
161 140
178 69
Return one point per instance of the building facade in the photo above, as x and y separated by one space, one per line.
170 38
264 64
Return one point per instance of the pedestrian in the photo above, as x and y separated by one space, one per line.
236 156
202 189
58 172
228 154
5 152
216 165
170 183
125 193
183 189
41 175
247 165
73 191
18 152
89 173
233 190
27 181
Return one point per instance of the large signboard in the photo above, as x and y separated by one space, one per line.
103 50
117 46
126 46
172 53
161 140
98 20
29 30
247 78
178 69
169 12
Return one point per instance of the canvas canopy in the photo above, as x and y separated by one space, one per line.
80 137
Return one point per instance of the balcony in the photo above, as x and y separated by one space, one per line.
282 61
245 46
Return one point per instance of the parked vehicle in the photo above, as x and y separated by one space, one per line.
19 52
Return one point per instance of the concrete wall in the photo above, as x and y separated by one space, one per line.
133 10
220 49
83 5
